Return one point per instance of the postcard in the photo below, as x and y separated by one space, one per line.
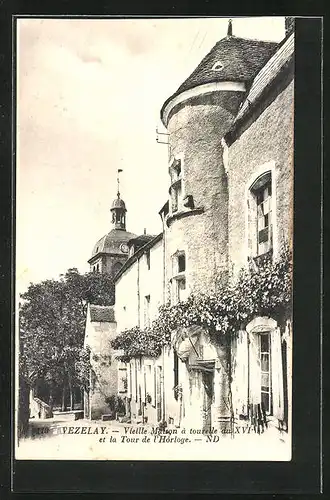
154 238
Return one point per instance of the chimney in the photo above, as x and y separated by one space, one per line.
145 231
289 25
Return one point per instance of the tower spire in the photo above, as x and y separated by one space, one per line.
118 172
118 208
230 28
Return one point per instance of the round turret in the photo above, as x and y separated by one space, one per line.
197 117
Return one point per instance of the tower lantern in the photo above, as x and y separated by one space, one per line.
118 208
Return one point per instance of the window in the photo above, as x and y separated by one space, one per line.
176 185
122 378
177 170
179 278
148 259
265 369
147 311
97 268
181 263
265 364
180 289
218 66
149 384
176 195
176 374
117 267
136 380
260 216
178 262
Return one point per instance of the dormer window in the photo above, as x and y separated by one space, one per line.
218 66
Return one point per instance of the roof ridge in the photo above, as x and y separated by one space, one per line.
98 305
228 37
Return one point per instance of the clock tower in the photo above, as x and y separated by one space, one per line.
111 251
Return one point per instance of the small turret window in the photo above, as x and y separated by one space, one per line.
218 66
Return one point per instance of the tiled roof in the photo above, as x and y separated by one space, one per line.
149 244
101 314
266 75
110 242
241 59
142 239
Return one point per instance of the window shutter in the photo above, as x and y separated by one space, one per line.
144 383
255 371
277 374
122 376
129 380
240 374
154 386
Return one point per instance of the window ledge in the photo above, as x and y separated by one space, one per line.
264 257
180 214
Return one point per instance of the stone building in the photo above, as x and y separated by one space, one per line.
230 130
108 256
139 294
230 127
100 329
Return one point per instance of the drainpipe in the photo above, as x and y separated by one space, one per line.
164 299
248 374
90 395
163 383
138 289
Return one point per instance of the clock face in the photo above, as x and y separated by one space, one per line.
124 248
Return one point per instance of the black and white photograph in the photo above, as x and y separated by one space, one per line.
154 238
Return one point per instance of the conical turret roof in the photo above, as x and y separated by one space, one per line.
231 59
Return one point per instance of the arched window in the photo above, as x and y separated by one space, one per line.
116 268
266 385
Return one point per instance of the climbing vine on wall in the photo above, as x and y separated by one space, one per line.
83 367
263 290
137 342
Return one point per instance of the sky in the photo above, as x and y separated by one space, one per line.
89 94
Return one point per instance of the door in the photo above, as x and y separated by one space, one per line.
159 386
86 404
207 399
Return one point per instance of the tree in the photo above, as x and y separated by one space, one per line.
52 318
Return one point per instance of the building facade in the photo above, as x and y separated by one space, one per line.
103 379
230 127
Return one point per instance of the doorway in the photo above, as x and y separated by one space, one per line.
208 379
159 399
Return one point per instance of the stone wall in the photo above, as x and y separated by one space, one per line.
135 284
104 374
268 140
